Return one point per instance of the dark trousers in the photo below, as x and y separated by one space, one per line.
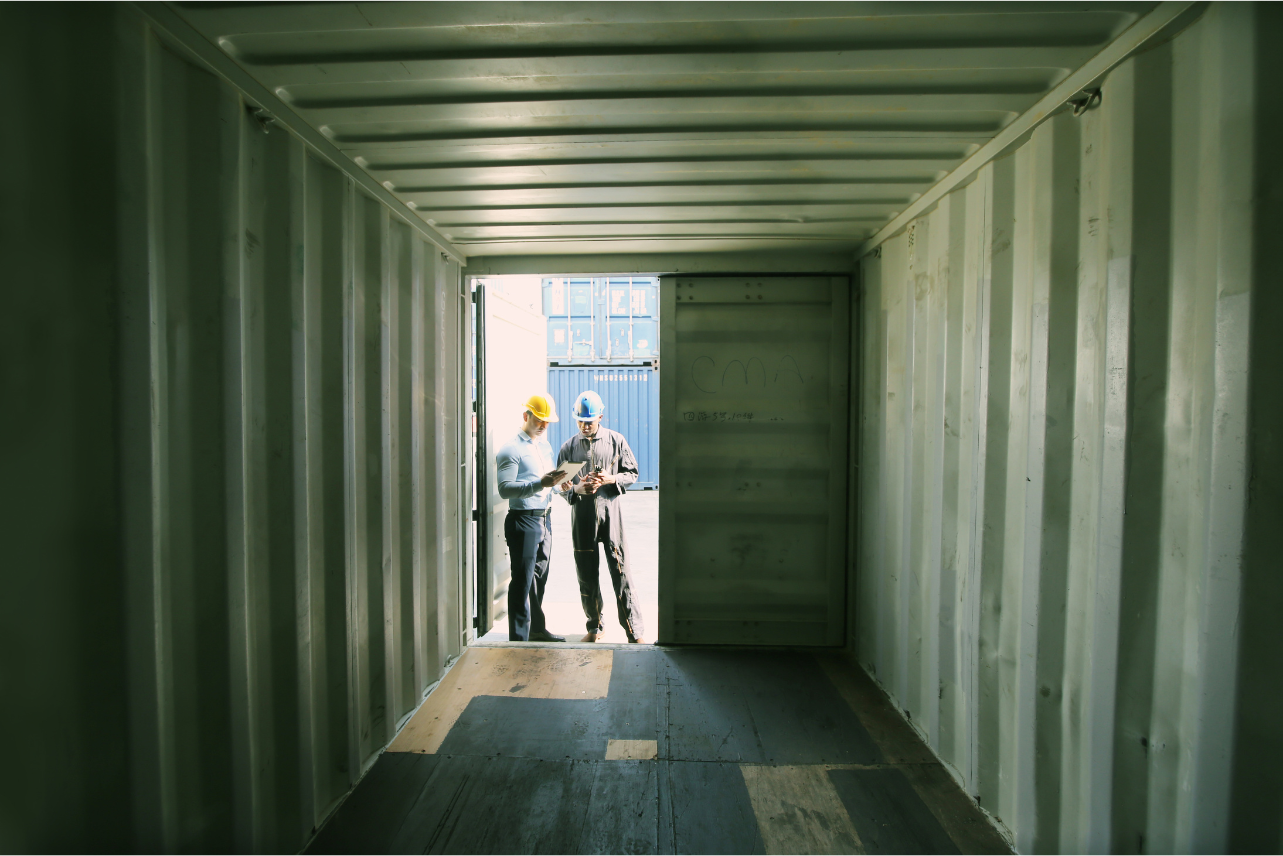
588 569
529 538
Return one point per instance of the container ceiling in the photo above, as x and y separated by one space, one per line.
519 128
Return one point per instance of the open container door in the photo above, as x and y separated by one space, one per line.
753 459
512 340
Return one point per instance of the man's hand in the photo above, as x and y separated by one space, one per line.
603 478
550 479
586 485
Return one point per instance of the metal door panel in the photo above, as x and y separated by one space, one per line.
558 338
581 302
753 433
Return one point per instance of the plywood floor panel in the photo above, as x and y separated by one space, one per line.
571 673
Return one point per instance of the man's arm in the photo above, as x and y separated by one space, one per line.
510 487
627 473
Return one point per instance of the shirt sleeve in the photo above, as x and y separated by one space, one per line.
510 487
626 473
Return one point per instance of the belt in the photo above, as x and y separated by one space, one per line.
531 512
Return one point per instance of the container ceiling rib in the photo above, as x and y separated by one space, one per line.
566 128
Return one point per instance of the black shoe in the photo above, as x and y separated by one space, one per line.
545 636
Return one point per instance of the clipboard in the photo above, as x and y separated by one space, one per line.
566 470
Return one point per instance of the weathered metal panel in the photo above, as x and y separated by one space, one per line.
753 438
272 406
631 396
1053 466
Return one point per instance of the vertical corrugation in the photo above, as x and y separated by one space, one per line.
409 694
920 553
390 435
1062 564
929 399
458 449
1256 802
423 538
1151 187
872 460
160 827
975 385
198 122
332 213
1197 591
354 479
441 463
1230 154
1096 506
305 340
1055 266
370 229
149 763
1001 750
271 222
949 283
244 414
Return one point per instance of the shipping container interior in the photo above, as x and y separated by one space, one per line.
951 342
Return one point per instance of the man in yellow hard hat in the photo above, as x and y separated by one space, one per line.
524 470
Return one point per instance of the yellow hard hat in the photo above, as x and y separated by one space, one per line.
542 407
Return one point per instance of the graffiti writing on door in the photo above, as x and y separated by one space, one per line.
711 378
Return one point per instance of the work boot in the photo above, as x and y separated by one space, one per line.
589 637
545 636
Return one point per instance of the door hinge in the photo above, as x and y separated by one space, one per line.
476 514
474 296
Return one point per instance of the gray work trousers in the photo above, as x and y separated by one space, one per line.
610 535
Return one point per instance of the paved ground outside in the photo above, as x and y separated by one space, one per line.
561 601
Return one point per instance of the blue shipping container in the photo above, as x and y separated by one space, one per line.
602 319
631 395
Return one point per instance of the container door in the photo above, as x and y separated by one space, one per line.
753 460
513 339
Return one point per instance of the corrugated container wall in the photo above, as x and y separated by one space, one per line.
1068 575
631 396
231 523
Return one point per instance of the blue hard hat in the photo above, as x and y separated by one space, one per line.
588 406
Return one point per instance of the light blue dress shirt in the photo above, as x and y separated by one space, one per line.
521 464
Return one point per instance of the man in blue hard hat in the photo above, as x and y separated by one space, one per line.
596 517
525 476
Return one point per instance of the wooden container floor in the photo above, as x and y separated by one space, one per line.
642 749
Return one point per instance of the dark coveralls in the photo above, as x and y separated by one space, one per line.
597 518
